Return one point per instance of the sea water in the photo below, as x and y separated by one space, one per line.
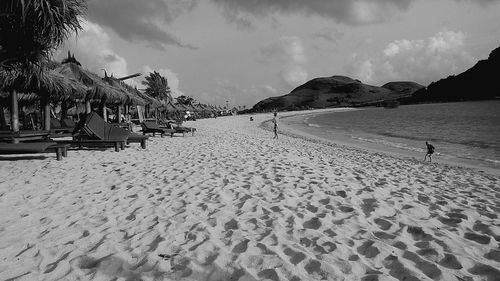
467 130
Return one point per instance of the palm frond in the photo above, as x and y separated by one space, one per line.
35 28
42 82
157 86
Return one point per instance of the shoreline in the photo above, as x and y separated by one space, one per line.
302 131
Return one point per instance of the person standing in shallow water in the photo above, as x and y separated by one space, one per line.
275 122
430 151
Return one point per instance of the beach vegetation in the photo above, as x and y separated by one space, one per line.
185 100
157 87
33 29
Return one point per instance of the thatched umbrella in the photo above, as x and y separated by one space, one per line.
45 84
182 107
130 97
145 97
96 87
172 109
128 93
148 100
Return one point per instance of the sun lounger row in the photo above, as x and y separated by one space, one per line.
61 150
92 131
171 129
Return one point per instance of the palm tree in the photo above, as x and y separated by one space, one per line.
30 30
157 86
33 29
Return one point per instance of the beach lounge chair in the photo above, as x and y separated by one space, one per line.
34 148
151 127
96 126
24 135
68 123
59 130
92 131
174 125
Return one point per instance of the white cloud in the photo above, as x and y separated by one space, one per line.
343 11
422 61
289 53
287 48
352 12
294 76
92 48
142 21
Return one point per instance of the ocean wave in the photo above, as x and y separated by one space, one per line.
313 125
472 143
389 143
492 161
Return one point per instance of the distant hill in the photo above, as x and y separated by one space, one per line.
337 91
477 83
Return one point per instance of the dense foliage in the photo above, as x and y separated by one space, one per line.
157 86
30 30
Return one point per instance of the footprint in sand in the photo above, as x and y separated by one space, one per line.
313 266
265 250
368 250
481 239
241 247
485 270
398 270
268 274
429 269
450 261
295 256
313 223
384 235
493 255
346 209
232 224
418 234
311 208
428 253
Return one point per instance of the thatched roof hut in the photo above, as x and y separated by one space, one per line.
170 107
199 108
128 94
182 107
46 84
145 97
96 87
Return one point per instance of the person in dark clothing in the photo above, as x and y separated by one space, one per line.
275 122
430 151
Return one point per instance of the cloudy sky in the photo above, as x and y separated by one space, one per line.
242 51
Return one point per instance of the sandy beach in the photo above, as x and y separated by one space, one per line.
231 203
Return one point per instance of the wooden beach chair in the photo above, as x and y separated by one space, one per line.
175 125
92 131
105 131
68 123
61 150
57 129
151 127
23 135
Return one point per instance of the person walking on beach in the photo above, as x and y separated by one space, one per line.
430 151
275 122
